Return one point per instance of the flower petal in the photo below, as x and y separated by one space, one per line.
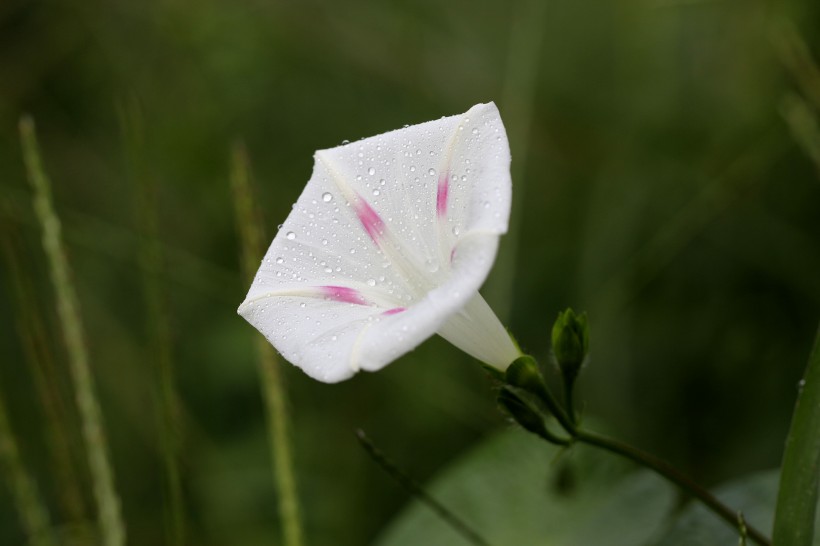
390 237
455 310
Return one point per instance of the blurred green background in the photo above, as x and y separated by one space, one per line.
665 173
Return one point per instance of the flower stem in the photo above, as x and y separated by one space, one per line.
524 374
111 523
569 402
676 477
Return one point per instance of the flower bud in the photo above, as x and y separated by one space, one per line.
529 419
524 373
570 341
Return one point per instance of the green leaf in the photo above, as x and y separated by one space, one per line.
517 489
800 478
754 495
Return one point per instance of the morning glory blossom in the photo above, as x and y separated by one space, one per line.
388 244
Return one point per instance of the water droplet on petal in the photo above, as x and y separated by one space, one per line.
290 235
432 172
371 282
456 231
475 131
376 192
327 197
280 260
371 171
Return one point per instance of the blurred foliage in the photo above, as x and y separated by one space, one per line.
755 496
515 487
668 189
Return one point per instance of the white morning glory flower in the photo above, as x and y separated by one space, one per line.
387 245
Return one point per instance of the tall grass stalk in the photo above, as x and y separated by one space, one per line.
47 379
517 101
111 524
157 319
30 506
249 228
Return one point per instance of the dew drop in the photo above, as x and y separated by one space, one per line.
327 197
474 131
303 305
290 235
432 172
371 282
381 182
353 251
345 141
456 231
371 171
280 260
376 192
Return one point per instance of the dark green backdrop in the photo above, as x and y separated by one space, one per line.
663 182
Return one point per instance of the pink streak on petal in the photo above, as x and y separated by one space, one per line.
441 194
394 311
343 294
370 219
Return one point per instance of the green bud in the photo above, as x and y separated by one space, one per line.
570 341
524 373
523 413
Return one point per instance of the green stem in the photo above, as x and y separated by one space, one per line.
523 374
418 491
108 503
673 475
800 473
569 402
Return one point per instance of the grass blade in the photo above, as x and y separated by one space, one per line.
108 504
58 413
800 473
152 261
30 506
249 227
